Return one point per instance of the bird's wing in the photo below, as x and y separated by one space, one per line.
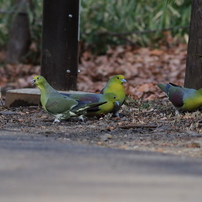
177 95
85 97
57 104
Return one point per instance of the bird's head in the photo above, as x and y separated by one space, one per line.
112 97
118 79
38 80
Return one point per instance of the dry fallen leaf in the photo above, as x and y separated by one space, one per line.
142 67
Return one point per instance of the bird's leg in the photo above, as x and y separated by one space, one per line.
177 113
56 120
105 116
116 114
81 118
1 102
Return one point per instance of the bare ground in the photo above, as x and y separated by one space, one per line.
144 125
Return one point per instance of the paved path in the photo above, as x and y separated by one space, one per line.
39 169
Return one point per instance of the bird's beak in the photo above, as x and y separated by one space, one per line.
33 81
123 80
117 102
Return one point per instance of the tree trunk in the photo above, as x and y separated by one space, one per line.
60 43
193 76
19 36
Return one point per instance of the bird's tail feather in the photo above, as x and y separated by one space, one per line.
89 106
162 87
175 85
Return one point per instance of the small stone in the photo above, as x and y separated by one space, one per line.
48 132
7 113
110 128
105 137
44 117
196 144
192 133
159 150
124 119
123 147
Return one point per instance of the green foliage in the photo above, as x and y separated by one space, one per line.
113 22
8 12
6 9
104 21
145 105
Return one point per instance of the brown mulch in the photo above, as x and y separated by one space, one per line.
143 126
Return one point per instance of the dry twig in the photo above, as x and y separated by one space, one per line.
138 126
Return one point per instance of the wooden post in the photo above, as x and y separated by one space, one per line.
193 76
59 63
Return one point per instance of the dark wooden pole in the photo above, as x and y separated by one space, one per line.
59 63
193 76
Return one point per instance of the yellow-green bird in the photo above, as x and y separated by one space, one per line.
61 106
110 99
115 85
183 99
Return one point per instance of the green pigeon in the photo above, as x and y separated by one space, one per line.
115 85
184 99
61 106
109 98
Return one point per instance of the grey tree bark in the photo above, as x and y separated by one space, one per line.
19 35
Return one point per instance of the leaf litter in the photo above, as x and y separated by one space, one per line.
148 121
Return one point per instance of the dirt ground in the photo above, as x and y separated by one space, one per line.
144 126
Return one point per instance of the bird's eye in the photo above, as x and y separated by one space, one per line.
38 77
114 97
117 77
